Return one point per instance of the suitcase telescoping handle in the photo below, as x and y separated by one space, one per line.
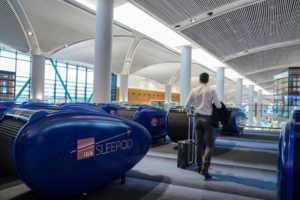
191 127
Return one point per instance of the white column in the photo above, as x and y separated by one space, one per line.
37 77
103 51
185 73
123 88
220 82
251 104
259 106
168 94
239 92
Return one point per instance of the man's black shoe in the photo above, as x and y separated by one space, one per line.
205 174
199 170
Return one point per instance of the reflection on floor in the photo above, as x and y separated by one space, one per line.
242 168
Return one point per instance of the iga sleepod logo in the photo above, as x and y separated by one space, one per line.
87 148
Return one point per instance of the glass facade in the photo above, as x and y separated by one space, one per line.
18 66
64 82
77 79
286 92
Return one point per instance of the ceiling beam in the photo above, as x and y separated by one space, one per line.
261 48
264 82
217 12
130 54
269 69
26 26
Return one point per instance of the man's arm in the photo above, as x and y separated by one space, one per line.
216 100
188 103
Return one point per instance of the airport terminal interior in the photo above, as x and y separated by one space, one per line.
93 99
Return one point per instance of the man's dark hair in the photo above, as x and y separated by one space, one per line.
204 78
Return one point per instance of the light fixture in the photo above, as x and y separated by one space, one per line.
66 45
127 62
210 13
29 33
192 20
177 27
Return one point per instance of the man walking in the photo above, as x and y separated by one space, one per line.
202 98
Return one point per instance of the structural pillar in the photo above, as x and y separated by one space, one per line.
220 83
168 94
37 77
251 104
103 51
239 92
185 74
123 88
259 107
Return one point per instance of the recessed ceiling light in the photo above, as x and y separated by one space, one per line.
29 33
66 45
210 13
177 27
192 20
127 62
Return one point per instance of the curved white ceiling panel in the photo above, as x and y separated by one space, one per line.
258 24
161 73
149 53
56 23
11 32
164 72
84 52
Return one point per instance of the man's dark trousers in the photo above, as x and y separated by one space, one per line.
203 127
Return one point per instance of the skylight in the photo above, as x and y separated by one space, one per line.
206 59
88 3
140 21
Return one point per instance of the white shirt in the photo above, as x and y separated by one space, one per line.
202 98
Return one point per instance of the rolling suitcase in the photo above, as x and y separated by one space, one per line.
186 148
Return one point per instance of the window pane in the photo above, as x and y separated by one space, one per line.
49 72
72 74
7 64
21 56
90 77
23 68
8 54
62 73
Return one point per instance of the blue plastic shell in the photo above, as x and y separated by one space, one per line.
36 105
288 160
67 152
7 104
282 161
4 106
81 107
152 118
110 108
236 123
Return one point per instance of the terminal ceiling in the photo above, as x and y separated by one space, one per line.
257 38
